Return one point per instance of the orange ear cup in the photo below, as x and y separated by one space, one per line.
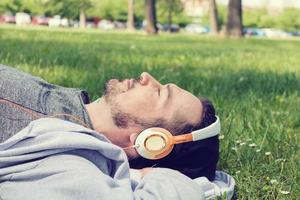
169 143
156 143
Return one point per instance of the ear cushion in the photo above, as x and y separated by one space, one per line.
154 143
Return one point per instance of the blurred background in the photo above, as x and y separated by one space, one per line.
259 18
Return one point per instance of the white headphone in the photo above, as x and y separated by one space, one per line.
156 143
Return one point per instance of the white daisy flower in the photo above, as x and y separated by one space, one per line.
238 141
273 181
268 153
284 192
252 145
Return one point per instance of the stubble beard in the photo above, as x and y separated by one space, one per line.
111 91
120 118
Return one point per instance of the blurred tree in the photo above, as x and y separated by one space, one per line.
150 15
253 17
83 6
213 18
12 6
69 8
130 18
234 27
111 9
288 20
33 7
167 8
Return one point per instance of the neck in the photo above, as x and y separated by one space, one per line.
100 114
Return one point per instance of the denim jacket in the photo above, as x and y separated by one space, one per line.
36 98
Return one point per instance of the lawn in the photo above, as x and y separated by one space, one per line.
254 84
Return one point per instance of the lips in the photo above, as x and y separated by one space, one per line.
129 83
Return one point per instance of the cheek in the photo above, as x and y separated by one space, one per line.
139 103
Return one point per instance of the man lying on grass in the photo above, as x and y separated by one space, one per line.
51 158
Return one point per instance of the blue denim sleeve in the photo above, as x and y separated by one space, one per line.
35 98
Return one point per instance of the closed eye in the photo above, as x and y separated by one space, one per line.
158 91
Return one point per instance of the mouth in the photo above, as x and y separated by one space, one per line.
128 84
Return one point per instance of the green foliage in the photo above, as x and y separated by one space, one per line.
139 10
34 7
288 19
222 15
253 83
117 10
255 18
12 6
67 8
165 7
107 9
181 19
266 21
177 11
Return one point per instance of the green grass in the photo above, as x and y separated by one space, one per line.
254 84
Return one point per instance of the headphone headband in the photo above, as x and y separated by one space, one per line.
207 132
155 143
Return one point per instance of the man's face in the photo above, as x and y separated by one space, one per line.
144 101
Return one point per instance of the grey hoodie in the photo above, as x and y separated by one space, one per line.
57 159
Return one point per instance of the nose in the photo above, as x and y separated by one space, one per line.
147 79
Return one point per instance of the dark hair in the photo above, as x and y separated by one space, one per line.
208 114
194 159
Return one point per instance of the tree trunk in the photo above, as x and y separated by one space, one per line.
213 18
150 15
234 26
130 19
82 18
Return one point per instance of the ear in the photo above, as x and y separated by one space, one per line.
133 137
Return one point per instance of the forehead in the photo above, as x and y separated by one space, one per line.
186 106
